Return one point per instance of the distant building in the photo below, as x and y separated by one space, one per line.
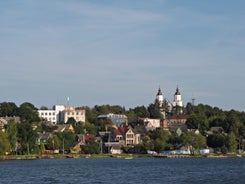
178 104
117 119
61 113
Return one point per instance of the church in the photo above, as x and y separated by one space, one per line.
176 107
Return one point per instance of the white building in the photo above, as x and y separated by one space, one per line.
159 97
61 113
177 99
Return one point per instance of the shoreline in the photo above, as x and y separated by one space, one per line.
123 156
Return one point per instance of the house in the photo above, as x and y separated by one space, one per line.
61 113
126 136
43 138
116 119
115 149
175 121
64 127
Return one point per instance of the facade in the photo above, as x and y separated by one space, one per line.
61 113
71 112
117 119
159 97
178 104
125 135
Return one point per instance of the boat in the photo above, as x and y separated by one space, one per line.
128 158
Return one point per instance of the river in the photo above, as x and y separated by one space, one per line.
122 171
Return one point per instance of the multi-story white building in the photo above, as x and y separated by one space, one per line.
61 114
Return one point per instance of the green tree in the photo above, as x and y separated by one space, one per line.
197 121
53 143
28 112
231 142
66 139
141 111
194 141
4 143
27 137
8 109
12 134
155 110
91 147
216 140
159 138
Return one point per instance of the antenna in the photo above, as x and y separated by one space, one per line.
193 101
68 99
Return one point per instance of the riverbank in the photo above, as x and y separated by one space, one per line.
124 156
52 156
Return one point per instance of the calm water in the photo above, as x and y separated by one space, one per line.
121 171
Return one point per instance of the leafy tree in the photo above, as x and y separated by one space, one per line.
194 141
66 139
231 142
148 143
155 111
91 147
27 137
196 121
12 134
216 140
53 143
159 138
4 143
141 111
8 109
28 112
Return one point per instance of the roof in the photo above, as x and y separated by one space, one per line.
89 136
177 91
159 92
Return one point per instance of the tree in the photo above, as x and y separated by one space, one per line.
4 143
141 111
155 111
91 147
231 142
197 121
53 143
28 112
159 138
194 141
216 140
12 134
27 137
8 109
66 139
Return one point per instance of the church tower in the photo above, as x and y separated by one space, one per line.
159 97
178 104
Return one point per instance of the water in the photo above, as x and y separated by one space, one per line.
121 171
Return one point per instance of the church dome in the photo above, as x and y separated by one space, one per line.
159 92
177 91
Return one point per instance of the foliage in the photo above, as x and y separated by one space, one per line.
8 109
194 141
91 147
12 134
154 111
159 139
28 112
27 137
4 143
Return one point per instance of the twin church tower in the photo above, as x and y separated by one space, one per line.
176 107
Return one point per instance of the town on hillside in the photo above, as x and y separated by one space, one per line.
164 127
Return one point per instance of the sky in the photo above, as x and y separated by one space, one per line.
119 52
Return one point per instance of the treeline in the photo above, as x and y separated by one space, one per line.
21 137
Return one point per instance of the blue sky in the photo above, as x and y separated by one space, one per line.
118 52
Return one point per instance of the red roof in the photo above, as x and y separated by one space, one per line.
89 136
